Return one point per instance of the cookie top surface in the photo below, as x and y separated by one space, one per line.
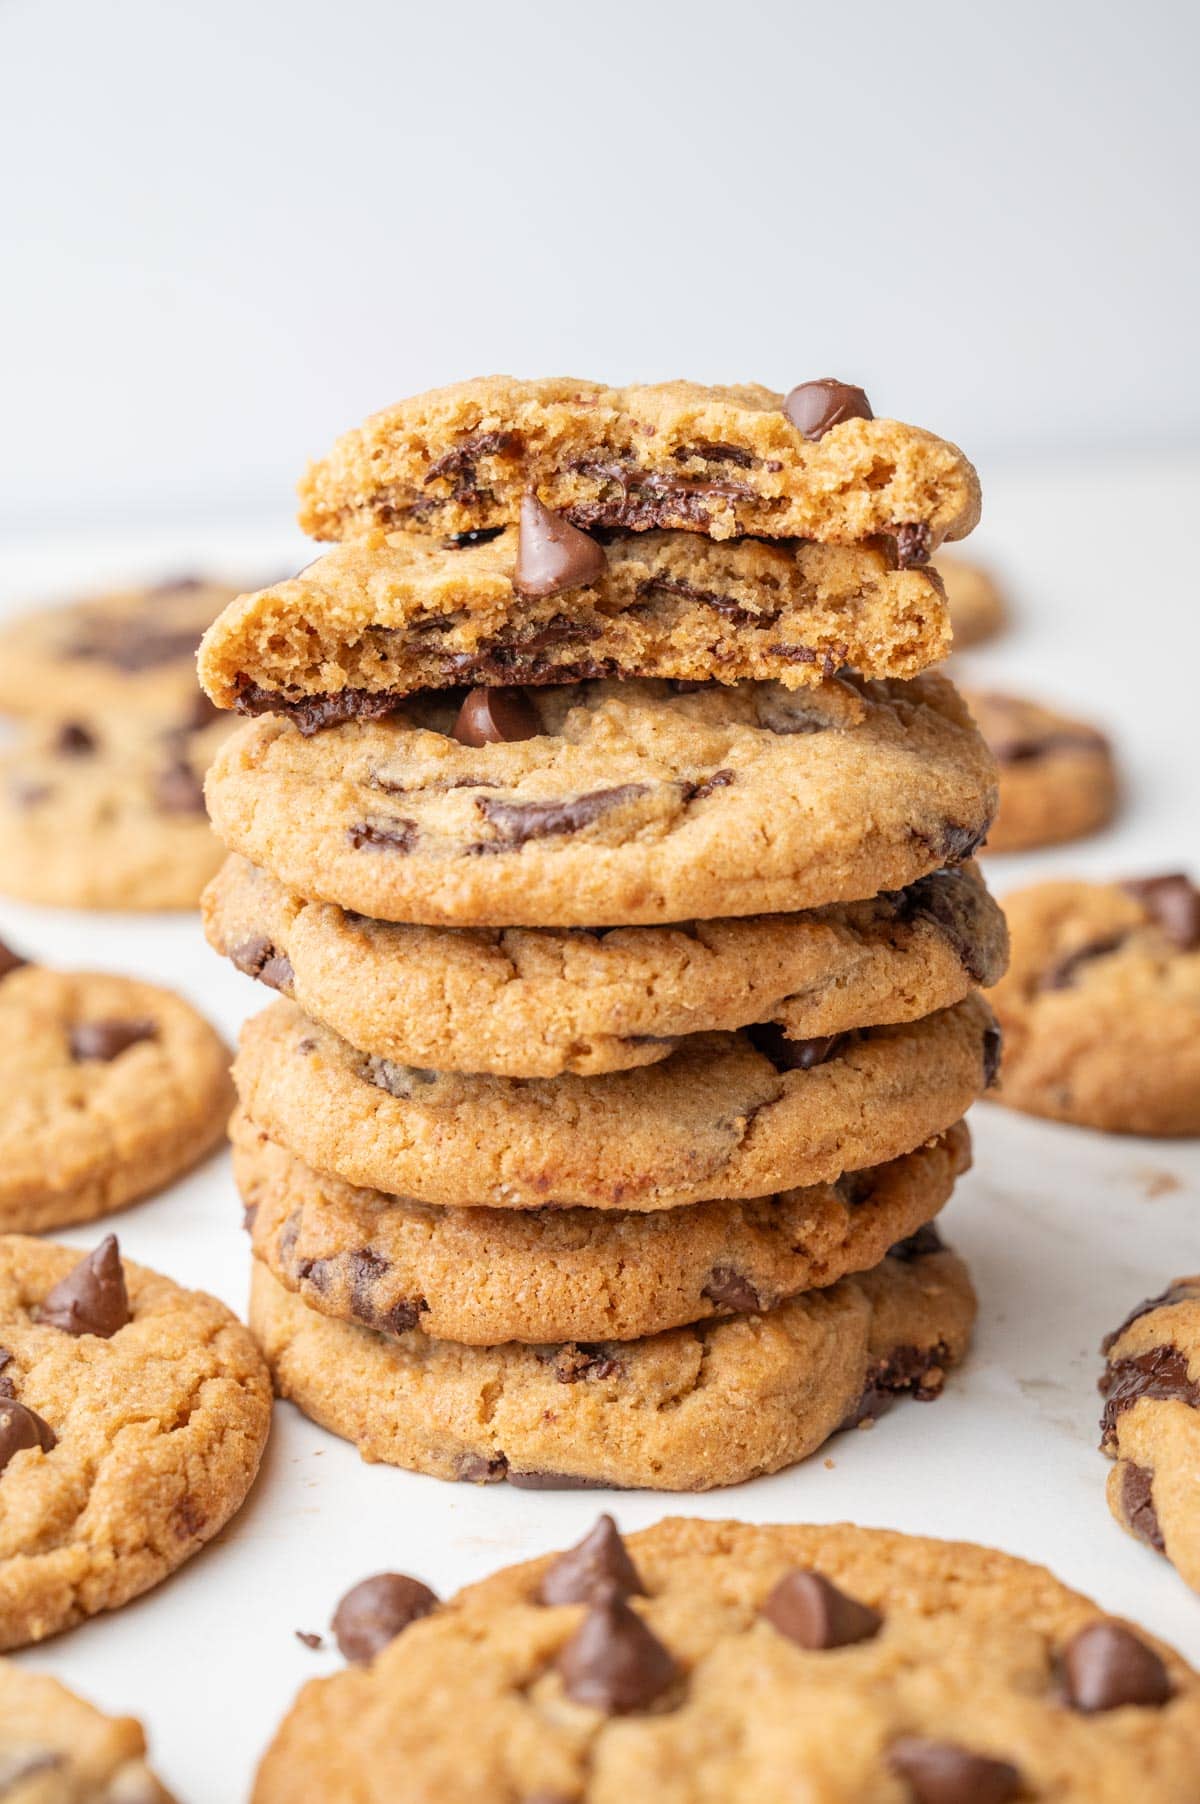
112 1087
156 1423
1058 777
720 1118
388 615
1100 1008
132 649
483 1276
1150 1423
722 461
535 1002
634 804
687 1410
57 1749
968 1652
977 607
108 811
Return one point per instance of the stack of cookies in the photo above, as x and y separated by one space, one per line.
608 839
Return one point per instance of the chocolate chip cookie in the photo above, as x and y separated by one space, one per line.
727 1115
722 1660
108 811
634 803
111 1088
1058 777
1100 1009
686 1410
1151 1424
482 1276
728 462
56 1749
977 607
377 619
535 1002
133 1416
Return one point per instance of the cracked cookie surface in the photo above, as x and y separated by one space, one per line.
57 1749
685 1410
722 461
156 1431
536 1002
112 1087
1058 776
633 805
482 1276
721 1118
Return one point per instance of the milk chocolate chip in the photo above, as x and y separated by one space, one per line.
21 1427
816 406
614 1662
940 1772
1106 1665
375 1611
553 555
1173 902
92 1298
601 1558
496 717
105 1040
813 1613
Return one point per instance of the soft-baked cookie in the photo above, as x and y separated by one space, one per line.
133 1416
111 1087
57 1749
727 462
718 1660
1100 1008
483 1276
381 617
1151 1424
727 1115
108 812
535 1002
977 607
687 1410
1058 778
634 804
132 650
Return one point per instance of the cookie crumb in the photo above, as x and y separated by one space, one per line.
308 1639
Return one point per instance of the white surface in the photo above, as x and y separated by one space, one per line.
1060 1226
235 228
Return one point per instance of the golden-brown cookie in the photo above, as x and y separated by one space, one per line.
1058 777
57 1749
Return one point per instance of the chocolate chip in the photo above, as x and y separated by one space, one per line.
913 542
8 1387
793 1055
73 740
478 1469
950 901
1161 1373
1063 972
309 714
1173 902
993 1048
725 605
558 1481
132 645
496 717
814 407
641 500
697 791
600 1559
1106 1665
106 1040
813 1613
10 961
941 1772
918 1371
730 1289
92 1298
709 451
572 1362
400 1081
920 1245
614 1662
458 464
1183 1290
21 1427
553 555
306 1638
1137 1505
380 836
375 1611
518 822
178 790
479 535
258 958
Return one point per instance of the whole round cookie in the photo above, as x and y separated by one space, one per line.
131 650
633 804
482 1276
1100 1008
108 812
1058 778
977 607
686 1410
57 1749
728 1660
727 1115
537 1002
1151 1424
133 1416
112 1087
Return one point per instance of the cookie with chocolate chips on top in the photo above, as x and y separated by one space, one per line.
1151 1424
1100 1008
1058 777
57 1749
752 1663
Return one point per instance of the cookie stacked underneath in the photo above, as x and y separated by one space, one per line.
608 843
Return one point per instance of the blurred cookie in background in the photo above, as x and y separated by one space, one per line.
1058 777
978 610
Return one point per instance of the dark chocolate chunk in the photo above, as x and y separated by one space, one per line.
641 500
1106 1665
383 836
730 1289
813 1613
712 453
553 555
258 958
496 717
919 1371
914 542
572 1362
178 790
600 1559
793 1055
1137 1505
1062 973
956 843
993 1049
614 1662
21 1427
920 1245
1161 1373
10 961
74 740
814 407
518 822
941 1772
310 713
1183 1290
1173 902
951 902
458 464
92 1298
106 1040
730 610
478 535
478 1469
697 791
376 1610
